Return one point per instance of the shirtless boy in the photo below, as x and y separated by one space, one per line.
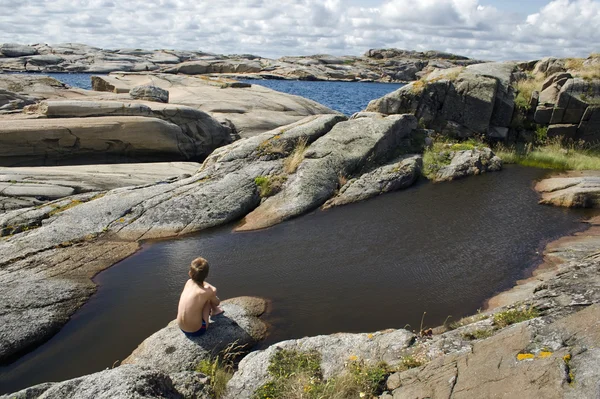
198 301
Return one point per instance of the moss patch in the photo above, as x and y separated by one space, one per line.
269 185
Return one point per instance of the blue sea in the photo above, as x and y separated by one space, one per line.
345 97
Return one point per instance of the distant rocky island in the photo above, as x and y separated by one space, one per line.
385 65
239 152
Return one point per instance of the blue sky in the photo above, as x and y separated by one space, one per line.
483 29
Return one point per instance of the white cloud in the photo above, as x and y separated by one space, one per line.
290 27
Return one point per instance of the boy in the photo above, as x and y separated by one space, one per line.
198 301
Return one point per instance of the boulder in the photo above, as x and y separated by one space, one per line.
171 351
543 114
336 351
573 99
122 382
589 128
571 191
16 50
347 149
458 102
467 163
504 102
549 66
470 102
562 130
149 93
396 175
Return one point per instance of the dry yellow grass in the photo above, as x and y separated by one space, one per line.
291 163
525 88
574 64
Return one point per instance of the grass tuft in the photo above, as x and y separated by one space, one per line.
269 185
220 369
291 163
513 316
525 89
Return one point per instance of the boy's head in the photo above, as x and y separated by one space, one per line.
199 270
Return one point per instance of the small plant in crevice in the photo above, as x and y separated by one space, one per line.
220 369
513 316
291 163
269 185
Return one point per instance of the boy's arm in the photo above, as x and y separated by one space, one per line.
214 299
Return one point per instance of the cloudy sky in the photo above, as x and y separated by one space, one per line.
484 29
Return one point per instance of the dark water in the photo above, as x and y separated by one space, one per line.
436 248
345 97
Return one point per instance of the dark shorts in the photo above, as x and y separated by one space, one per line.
198 333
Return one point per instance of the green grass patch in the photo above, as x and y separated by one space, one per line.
554 155
269 185
513 316
297 374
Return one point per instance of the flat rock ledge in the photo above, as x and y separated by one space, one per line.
573 190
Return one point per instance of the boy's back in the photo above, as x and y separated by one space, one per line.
191 304
198 300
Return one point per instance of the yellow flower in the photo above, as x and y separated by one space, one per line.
545 354
370 336
353 358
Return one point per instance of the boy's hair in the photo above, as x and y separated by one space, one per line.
199 270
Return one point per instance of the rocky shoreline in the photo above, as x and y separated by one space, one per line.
49 252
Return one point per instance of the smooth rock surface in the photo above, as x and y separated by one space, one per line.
252 110
396 175
68 180
467 163
169 350
571 191
349 147
123 382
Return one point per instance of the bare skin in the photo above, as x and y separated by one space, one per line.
197 303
